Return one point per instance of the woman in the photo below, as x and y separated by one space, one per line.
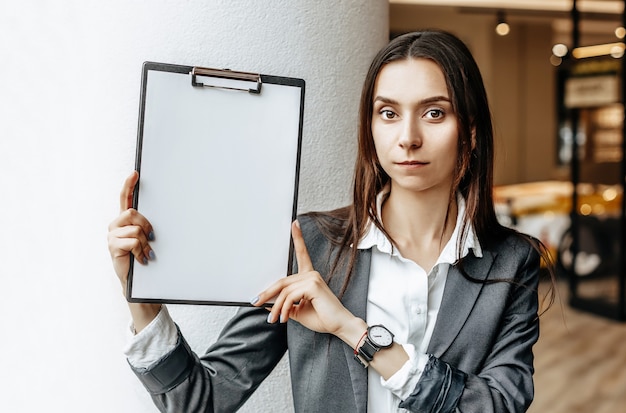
413 298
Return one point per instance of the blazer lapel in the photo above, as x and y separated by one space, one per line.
355 300
459 296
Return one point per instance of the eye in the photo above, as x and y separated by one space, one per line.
434 114
388 114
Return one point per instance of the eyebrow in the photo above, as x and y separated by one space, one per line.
428 100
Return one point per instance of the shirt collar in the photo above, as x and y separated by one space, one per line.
375 237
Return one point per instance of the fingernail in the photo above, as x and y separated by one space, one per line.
282 319
151 236
152 255
297 223
269 318
145 260
254 300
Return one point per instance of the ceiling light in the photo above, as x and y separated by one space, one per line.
559 50
502 27
555 61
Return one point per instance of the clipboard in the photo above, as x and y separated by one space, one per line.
218 155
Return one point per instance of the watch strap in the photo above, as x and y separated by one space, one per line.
361 360
368 349
358 356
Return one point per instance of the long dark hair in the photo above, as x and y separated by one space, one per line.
473 175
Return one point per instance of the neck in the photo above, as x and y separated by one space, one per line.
424 220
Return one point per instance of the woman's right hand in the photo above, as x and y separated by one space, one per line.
129 233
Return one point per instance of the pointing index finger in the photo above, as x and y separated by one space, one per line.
302 254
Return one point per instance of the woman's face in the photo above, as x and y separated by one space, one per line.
414 127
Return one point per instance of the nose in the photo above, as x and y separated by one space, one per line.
410 137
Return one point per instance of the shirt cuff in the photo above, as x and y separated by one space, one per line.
153 342
403 382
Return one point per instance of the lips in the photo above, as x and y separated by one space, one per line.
411 163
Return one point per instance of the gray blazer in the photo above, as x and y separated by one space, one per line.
481 356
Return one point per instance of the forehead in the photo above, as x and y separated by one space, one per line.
418 78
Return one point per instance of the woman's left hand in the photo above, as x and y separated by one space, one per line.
306 298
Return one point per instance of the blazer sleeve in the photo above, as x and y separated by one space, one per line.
223 378
503 382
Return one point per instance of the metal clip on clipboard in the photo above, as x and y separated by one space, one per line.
240 77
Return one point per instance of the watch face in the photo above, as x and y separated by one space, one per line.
380 336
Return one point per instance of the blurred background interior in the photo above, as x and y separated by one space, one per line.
553 72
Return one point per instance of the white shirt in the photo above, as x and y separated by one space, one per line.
409 311
405 299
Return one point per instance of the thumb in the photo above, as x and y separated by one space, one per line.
128 190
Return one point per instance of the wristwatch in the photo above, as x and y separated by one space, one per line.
376 338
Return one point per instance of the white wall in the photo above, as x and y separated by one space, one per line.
69 90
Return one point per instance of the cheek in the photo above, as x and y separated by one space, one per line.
448 141
378 142
450 152
453 140
376 133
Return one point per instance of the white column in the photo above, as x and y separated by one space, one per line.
69 99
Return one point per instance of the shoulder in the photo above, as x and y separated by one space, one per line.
517 256
512 243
